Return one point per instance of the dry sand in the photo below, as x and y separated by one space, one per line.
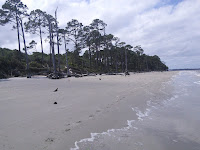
29 119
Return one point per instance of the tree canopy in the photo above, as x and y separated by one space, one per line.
103 52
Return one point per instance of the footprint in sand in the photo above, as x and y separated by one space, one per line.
78 121
50 140
67 130
124 136
68 124
98 111
91 116
120 99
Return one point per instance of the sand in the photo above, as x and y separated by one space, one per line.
31 121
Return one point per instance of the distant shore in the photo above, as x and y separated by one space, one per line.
30 119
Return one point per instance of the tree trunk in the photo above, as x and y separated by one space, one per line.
116 71
116 63
122 63
41 45
126 60
111 58
53 53
66 56
17 22
147 65
100 59
97 56
50 45
50 59
27 63
107 60
57 41
58 52
90 56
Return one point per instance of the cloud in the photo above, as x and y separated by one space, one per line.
167 28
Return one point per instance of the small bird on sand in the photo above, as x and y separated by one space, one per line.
56 90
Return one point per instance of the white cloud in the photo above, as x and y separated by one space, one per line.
162 28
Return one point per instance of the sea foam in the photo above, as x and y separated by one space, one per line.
197 74
108 132
198 82
141 116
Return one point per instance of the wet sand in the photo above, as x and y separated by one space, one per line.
172 123
31 120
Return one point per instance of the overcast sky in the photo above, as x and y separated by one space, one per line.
167 28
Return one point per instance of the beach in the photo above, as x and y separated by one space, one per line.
86 108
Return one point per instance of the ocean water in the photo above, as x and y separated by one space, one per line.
172 124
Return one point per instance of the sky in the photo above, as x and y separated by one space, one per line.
167 28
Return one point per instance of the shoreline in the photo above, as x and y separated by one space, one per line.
91 75
85 105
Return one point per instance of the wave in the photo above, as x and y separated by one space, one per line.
151 105
108 132
197 82
197 74
141 116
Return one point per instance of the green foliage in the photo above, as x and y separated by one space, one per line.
36 21
104 52
116 61
10 64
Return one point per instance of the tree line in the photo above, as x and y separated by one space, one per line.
104 53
